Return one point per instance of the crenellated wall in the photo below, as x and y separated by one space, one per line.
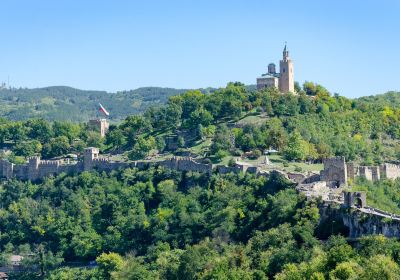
390 171
371 173
36 168
337 170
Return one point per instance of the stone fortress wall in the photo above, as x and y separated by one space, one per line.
389 171
336 170
357 217
186 164
36 168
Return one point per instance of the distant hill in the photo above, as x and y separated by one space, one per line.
66 103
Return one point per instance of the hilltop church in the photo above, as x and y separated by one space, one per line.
284 81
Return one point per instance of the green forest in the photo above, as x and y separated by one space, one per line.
163 224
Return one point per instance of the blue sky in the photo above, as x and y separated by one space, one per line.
350 47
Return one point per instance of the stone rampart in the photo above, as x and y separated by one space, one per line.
103 164
186 164
390 171
6 169
222 169
336 170
296 177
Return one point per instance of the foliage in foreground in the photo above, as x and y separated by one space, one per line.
162 224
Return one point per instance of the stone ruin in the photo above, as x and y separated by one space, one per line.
36 168
354 199
186 164
100 125
337 171
353 212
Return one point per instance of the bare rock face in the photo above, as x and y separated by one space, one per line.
360 221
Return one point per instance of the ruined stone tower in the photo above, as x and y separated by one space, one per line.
99 125
286 78
89 155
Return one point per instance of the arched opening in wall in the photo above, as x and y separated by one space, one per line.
358 202
336 179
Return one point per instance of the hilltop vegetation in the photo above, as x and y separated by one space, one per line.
306 127
309 126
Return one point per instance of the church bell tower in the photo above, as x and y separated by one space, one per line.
286 79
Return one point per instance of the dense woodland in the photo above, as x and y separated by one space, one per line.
163 224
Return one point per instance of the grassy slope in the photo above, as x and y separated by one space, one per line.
384 194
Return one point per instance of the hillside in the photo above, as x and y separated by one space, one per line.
61 103
162 223
70 104
310 126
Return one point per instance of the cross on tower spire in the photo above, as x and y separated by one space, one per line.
285 52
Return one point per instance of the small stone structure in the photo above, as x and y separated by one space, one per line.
354 199
335 171
296 177
100 125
